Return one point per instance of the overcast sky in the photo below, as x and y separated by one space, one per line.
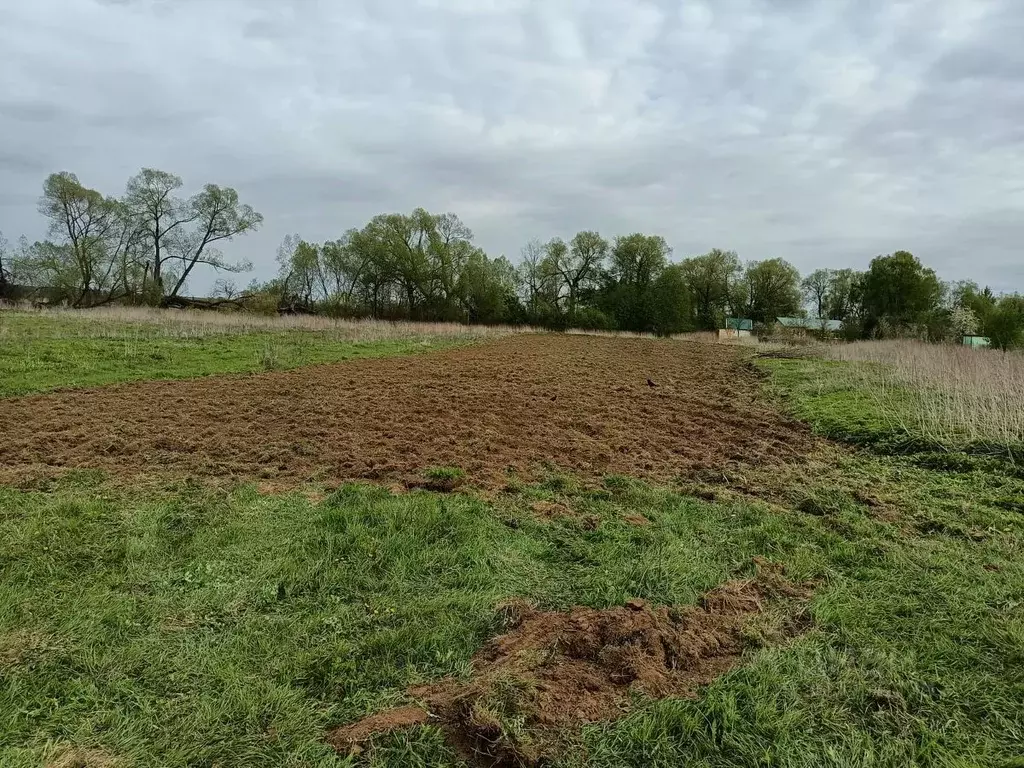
822 132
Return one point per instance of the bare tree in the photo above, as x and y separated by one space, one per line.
179 233
531 274
5 275
218 216
816 288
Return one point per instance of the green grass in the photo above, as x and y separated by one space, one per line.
837 404
205 627
198 626
41 353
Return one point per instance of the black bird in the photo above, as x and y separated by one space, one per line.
651 383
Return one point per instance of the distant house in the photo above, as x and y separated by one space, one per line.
802 326
976 342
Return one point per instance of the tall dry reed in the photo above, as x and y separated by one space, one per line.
116 321
945 393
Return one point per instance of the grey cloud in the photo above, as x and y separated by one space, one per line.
29 112
822 132
20 164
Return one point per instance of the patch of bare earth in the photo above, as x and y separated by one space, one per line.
75 757
521 405
533 688
24 646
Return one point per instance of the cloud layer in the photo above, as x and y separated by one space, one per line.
824 133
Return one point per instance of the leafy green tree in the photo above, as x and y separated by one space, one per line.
50 265
451 251
300 273
976 310
486 288
900 290
772 290
964 321
578 264
420 266
1005 324
413 261
92 259
670 302
343 268
377 274
637 261
844 298
980 301
708 280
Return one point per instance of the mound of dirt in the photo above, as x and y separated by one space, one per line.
523 404
555 671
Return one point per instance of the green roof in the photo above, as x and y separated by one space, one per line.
811 323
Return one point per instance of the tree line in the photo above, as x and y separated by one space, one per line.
142 247
424 266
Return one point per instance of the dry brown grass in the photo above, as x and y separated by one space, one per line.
946 393
77 757
112 321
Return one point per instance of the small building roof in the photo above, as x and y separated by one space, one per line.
811 323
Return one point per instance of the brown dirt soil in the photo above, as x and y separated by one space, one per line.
551 510
520 404
533 687
384 722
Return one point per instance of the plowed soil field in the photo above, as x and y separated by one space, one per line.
523 404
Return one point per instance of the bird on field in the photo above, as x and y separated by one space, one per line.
651 383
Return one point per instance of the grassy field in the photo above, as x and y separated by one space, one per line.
189 625
41 351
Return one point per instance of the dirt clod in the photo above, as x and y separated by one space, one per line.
351 737
551 509
534 686
636 519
